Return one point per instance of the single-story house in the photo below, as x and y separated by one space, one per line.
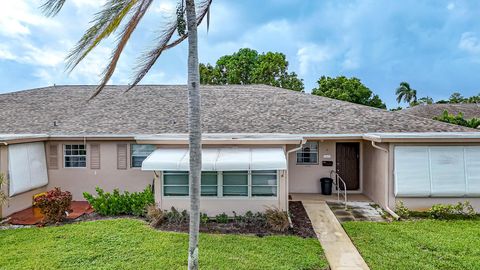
260 144
469 110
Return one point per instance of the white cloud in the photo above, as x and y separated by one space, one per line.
164 7
312 54
46 57
6 54
79 4
16 18
470 43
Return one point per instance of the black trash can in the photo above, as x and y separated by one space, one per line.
326 185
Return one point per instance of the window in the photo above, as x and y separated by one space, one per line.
235 183
209 184
175 183
75 156
308 154
264 183
139 152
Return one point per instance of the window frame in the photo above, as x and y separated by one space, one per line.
70 155
220 194
267 173
175 173
132 155
238 173
301 151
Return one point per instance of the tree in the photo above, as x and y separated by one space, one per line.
406 93
458 120
422 100
456 98
106 22
247 66
347 89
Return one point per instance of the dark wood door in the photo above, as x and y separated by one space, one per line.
348 164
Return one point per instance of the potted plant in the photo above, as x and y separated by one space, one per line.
37 212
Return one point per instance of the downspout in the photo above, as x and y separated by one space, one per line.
387 190
288 180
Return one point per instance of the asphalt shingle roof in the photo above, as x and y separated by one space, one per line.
432 110
157 109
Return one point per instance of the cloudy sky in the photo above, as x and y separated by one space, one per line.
433 45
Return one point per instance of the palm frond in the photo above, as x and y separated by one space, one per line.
149 58
124 36
105 23
51 7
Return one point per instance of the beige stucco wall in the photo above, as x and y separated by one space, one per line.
306 178
19 201
424 203
214 206
375 172
108 177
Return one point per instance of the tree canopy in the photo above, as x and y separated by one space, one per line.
247 66
347 89
458 120
406 93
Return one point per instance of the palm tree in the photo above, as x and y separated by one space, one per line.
406 93
107 22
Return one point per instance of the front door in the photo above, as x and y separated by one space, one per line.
348 164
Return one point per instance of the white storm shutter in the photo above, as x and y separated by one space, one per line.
472 165
437 171
447 171
27 167
412 174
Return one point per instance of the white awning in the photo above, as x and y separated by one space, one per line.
217 159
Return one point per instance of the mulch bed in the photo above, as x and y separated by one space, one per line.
27 216
302 225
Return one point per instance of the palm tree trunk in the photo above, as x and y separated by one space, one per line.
195 136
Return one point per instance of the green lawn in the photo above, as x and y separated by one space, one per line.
132 244
413 245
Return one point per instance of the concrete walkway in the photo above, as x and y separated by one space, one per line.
339 249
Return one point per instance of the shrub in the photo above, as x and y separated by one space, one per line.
277 219
175 217
204 218
115 203
54 204
458 119
155 215
402 211
447 211
221 218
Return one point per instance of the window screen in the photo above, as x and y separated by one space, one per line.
308 154
175 184
139 152
235 183
264 183
75 156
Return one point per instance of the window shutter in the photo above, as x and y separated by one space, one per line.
53 156
122 157
95 156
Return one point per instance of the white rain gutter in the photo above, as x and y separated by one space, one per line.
387 190
287 184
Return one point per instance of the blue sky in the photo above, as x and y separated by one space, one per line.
433 45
